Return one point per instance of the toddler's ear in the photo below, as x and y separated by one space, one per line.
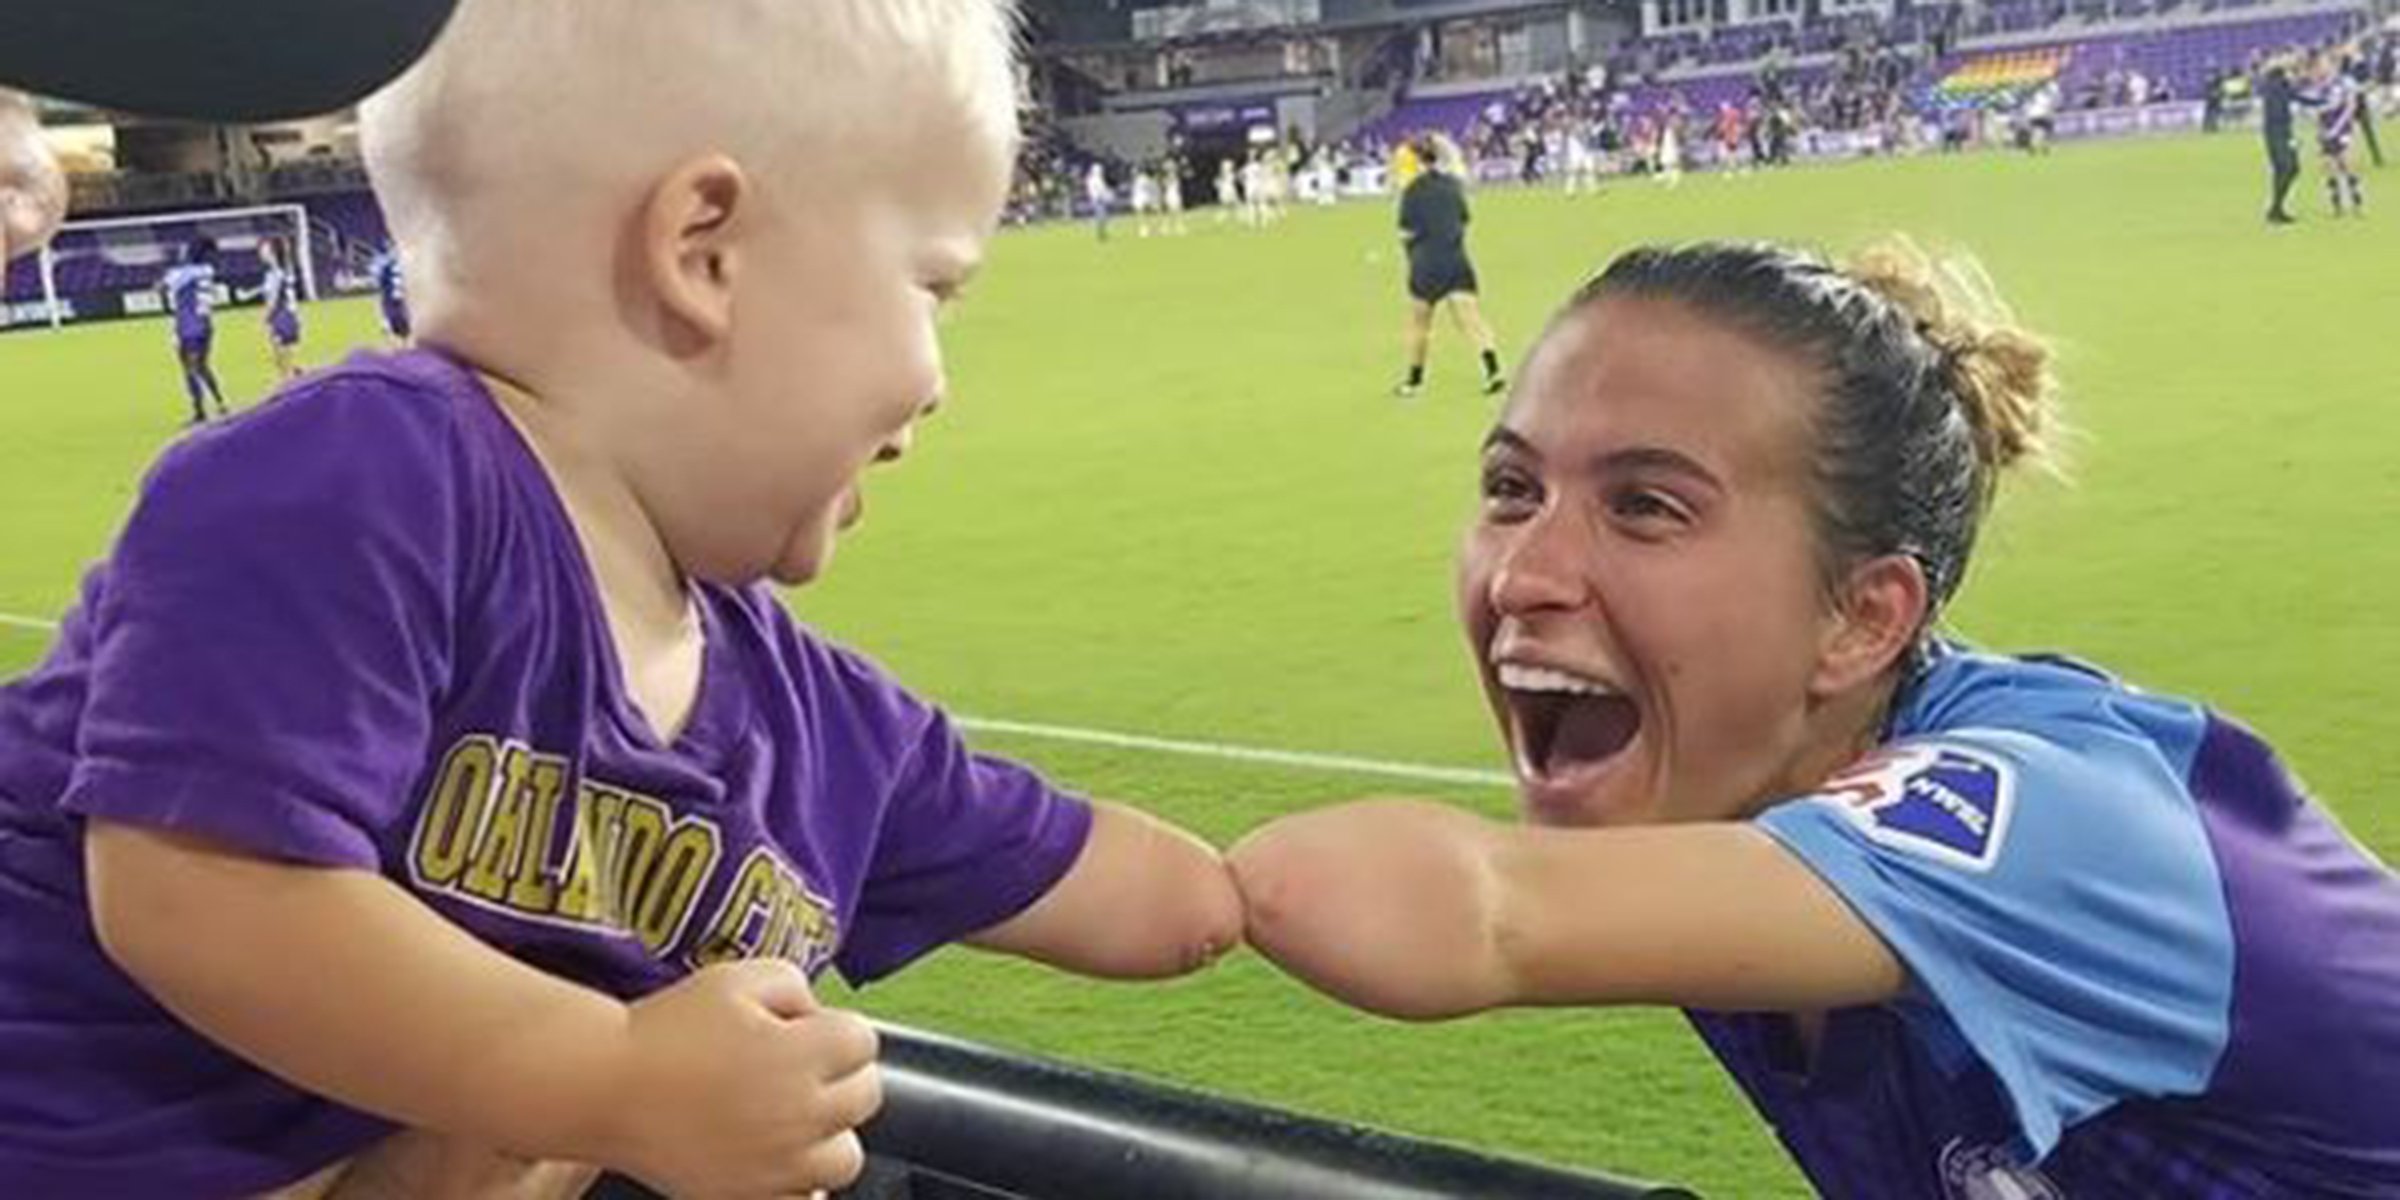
690 251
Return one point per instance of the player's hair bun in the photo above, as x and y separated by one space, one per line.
1998 373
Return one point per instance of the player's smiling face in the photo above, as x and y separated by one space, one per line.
1640 586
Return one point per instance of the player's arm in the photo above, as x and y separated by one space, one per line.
1144 900
1423 911
732 1082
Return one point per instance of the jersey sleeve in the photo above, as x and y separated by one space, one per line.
274 625
2054 900
967 841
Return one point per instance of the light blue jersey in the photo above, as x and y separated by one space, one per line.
2142 963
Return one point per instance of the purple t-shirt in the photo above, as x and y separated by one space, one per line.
354 628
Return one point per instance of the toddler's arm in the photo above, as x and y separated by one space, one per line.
1144 900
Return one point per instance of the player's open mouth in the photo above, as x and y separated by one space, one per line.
1564 728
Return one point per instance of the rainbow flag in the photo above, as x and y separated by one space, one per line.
2005 70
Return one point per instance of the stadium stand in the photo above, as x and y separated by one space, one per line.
1849 73
1845 83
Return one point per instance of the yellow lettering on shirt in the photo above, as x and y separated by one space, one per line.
452 816
769 912
500 829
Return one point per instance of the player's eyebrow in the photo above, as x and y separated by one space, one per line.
1631 459
1503 438
1654 460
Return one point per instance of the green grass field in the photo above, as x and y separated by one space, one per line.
1171 497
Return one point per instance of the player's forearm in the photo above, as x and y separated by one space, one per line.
347 986
1144 900
1387 905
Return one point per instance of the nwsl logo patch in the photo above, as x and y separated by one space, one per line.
1940 800
1989 1173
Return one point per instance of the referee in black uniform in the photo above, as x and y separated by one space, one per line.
2275 111
1433 225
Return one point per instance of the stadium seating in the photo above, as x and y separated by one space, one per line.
2178 45
2087 46
2187 58
345 230
2005 69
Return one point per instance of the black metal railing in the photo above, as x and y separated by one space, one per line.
966 1122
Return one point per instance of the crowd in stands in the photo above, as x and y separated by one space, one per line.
1048 168
1749 96
1625 113
1877 85
1765 95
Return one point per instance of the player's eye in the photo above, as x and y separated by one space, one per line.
1647 511
1509 493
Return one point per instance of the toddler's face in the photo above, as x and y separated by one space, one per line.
834 355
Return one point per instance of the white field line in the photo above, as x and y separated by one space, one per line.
1299 759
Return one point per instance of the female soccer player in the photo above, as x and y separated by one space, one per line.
1961 925
281 291
391 296
2339 103
189 291
1433 225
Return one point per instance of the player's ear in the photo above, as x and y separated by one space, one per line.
690 253
1873 620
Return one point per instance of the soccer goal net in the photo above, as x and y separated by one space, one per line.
105 269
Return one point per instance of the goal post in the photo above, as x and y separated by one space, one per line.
110 267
